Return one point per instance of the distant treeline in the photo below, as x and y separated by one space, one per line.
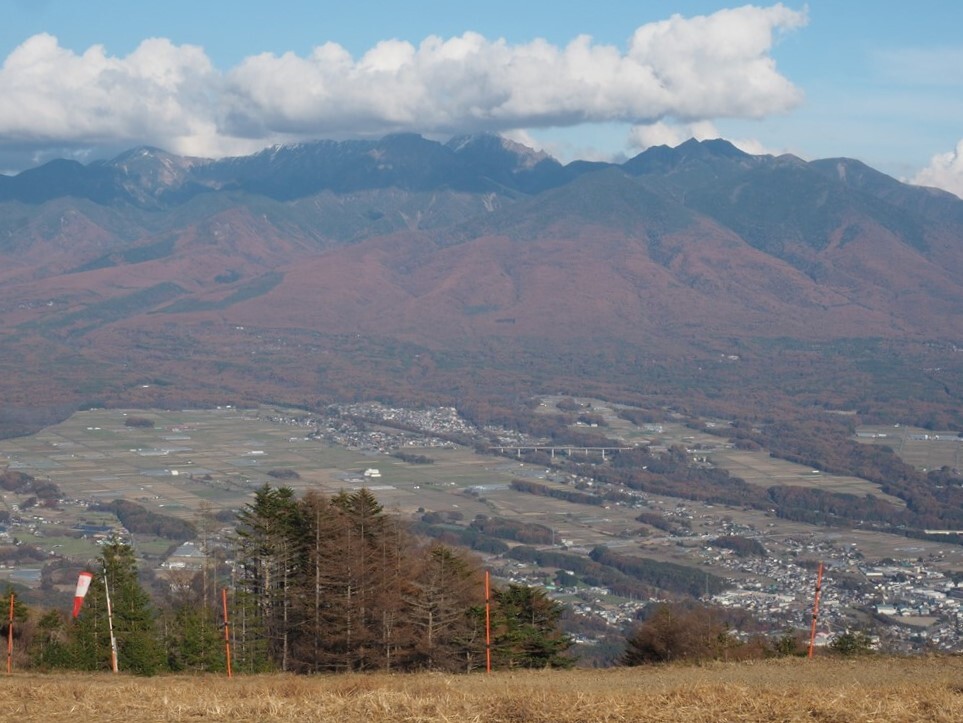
663 575
628 576
24 484
412 458
536 488
742 546
140 520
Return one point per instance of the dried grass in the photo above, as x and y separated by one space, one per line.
886 689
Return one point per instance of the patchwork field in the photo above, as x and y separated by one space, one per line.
921 448
191 462
761 469
215 459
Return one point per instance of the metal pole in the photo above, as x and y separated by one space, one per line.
110 626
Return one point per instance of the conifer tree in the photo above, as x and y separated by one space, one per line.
526 630
139 648
335 584
446 587
20 617
193 638
269 553
50 647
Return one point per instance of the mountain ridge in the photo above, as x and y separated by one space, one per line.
478 246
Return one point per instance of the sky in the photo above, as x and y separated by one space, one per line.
880 80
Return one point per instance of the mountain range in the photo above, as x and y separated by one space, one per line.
409 266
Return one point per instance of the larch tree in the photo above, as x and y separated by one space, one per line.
445 588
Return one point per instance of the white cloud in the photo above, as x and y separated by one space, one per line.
669 134
945 171
686 69
672 134
53 94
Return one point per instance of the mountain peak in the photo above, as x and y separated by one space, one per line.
662 158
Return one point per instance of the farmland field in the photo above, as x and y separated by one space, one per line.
826 689
193 461
921 448
217 458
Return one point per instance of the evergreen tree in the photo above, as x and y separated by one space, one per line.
526 633
139 648
50 646
193 638
20 617
269 553
363 600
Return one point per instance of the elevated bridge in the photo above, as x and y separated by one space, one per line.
567 450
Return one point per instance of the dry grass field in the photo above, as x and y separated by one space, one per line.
883 689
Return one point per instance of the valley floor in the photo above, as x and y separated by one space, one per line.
861 689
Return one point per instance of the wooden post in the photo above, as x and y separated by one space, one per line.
10 638
227 634
812 632
488 623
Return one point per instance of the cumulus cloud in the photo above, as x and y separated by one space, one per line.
685 69
945 171
53 94
663 133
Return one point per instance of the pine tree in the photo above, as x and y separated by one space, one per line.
139 648
50 645
20 617
362 530
526 631
193 638
269 552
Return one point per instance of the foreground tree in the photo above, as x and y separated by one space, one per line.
50 647
22 628
526 631
268 553
443 606
675 633
193 637
336 584
139 648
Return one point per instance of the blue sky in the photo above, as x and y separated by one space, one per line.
879 81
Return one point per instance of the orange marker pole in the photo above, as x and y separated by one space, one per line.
10 638
227 634
488 623
819 587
